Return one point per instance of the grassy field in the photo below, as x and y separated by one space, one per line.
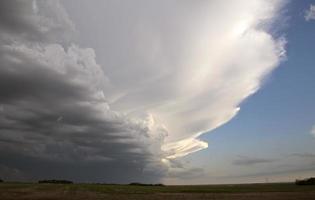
277 191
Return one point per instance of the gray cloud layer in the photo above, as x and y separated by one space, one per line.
47 119
54 119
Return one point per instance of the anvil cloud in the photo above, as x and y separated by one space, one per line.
120 89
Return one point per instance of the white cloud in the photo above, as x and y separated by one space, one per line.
313 131
188 64
310 13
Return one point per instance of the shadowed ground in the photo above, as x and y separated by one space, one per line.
283 191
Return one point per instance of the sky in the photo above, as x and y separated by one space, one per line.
178 92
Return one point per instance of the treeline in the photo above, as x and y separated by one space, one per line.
61 181
144 184
308 181
53 181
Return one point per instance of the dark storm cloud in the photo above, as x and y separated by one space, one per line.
17 16
50 124
54 119
31 20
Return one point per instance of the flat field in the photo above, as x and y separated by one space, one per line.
273 191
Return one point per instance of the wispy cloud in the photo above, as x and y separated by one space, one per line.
304 155
304 159
310 13
248 161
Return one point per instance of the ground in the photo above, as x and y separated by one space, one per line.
273 191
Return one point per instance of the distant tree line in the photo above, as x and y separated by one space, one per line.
143 184
308 181
53 181
1 181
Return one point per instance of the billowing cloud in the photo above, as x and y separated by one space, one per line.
54 114
53 109
310 13
34 20
167 72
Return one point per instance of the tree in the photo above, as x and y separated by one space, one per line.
308 181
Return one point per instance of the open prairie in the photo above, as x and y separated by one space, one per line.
275 191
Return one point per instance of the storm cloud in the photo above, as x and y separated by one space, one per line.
54 118
156 77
